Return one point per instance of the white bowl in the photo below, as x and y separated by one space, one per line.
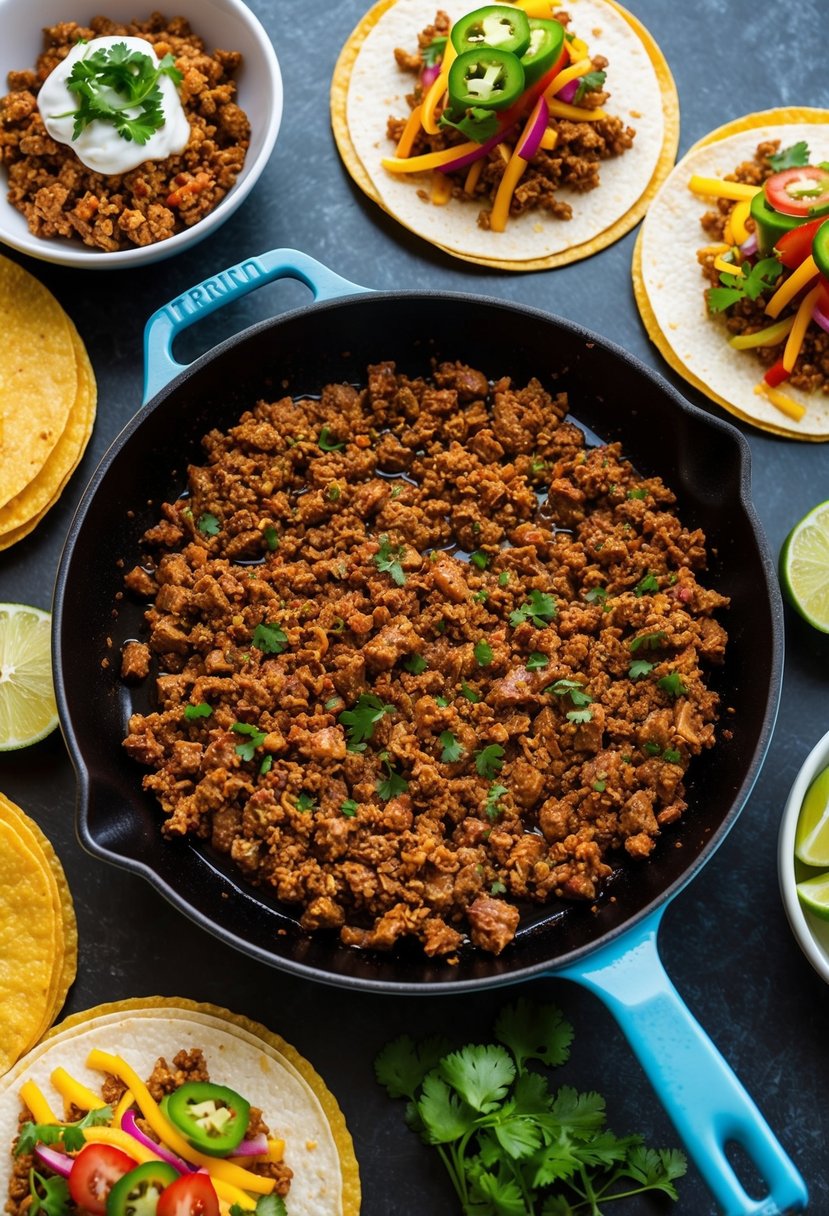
225 24
811 932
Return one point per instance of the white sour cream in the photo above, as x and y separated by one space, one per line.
100 147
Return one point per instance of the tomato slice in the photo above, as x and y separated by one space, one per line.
190 1195
94 1173
800 191
795 246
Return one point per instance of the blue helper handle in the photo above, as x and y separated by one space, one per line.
223 288
700 1092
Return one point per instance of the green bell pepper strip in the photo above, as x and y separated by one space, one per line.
820 248
494 25
546 41
770 224
486 79
138 1192
212 1117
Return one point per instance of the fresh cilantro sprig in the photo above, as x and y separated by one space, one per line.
512 1145
751 284
433 53
269 638
792 157
266 1205
476 123
255 738
121 87
488 760
452 748
393 784
540 608
49 1195
387 560
360 721
579 698
70 1135
591 82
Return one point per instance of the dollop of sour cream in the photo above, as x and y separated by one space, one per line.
99 146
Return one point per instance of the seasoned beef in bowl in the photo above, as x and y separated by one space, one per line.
422 657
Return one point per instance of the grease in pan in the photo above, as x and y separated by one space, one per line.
369 86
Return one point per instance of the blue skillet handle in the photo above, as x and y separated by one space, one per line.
223 288
697 1087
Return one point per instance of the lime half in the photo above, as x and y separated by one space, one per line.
27 696
804 567
814 895
811 838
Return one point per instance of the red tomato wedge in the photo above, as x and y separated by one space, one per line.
794 247
190 1195
94 1173
800 191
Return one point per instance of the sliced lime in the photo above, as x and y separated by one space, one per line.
814 895
811 838
804 567
27 698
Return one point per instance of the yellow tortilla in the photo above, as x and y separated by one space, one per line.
38 377
297 1105
367 86
668 283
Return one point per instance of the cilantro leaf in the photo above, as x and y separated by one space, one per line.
349 808
540 608
591 82
673 684
571 688
403 1064
469 693
208 524
393 784
477 123
444 1116
647 641
305 802
269 638
256 738
266 1205
596 595
192 712
534 1032
271 537
752 283
479 559
579 715
415 663
387 560
640 668
119 86
452 749
537 661
488 760
433 53
481 1075
493 804
49 1195
792 157
648 583
483 653
360 721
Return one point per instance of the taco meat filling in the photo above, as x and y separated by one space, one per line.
61 197
402 741
187 1066
747 316
573 163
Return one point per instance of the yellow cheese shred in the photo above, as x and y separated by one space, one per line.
473 176
580 68
798 331
739 214
788 290
792 409
434 94
549 139
728 267
560 109
34 1098
123 1106
73 1092
217 1168
404 144
429 160
720 189
441 190
512 175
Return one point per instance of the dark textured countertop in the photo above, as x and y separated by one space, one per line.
725 940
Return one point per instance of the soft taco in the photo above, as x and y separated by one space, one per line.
162 1107
731 270
517 135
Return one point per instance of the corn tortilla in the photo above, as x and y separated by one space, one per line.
668 283
367 86
38 377
240 1053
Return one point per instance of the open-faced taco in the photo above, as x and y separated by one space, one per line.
731 270
161 1107
518 136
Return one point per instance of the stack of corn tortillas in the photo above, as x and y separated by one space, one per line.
38 934
47 401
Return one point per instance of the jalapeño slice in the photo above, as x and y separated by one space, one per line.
138 1192
212 1117
494 25
489 79
546 43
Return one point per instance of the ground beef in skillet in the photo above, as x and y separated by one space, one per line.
528 714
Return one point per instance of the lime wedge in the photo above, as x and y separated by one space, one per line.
804 567
811 838
27 698
814 895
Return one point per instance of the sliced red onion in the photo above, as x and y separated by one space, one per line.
255 1147
129 1125
568 91
529 142
749 245
59 1163
820 317
429 75
469 158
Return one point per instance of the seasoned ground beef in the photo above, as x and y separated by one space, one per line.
573 162
399 739
60 196
164 1079
811 369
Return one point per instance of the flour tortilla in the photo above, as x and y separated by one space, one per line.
241 1054
669 284
368 86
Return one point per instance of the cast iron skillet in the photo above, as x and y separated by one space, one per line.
704 460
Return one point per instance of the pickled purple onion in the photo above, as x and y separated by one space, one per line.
129 1125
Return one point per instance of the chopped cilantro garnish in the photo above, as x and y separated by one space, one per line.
442 702
326 443
638 492
49 1195
537 661
579 715
672 756
360 721
571 688
791 157
202 710
497 888
349 808
69 1134
415 663
271 537
120 86
387 560
469 693
334 492
599 786
653 749
503 578
488 760
269 638
647 641
596 595
640 668
493 805
393 784
479 559
333 702
483 653
256 738
452 749
266 765
753 282
591 82
433 53
673 684
477 123
540 608
208 524
481 597
646 584
305 802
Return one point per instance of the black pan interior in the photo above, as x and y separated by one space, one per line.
705 461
